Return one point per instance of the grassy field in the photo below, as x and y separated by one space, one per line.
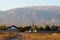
32 36
42 36
6 35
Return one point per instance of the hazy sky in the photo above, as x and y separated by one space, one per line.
9 4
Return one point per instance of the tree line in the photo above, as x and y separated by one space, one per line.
27 28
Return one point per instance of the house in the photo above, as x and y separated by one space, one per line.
12 28
58 27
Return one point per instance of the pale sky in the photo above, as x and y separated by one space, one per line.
9 4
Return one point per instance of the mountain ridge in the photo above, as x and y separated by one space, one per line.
25 16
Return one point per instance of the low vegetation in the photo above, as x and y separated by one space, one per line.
27 28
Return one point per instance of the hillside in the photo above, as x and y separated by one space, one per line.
25 16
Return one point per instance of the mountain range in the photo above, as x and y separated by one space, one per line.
39 15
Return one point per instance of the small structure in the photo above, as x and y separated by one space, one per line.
33 29
13 28
58 27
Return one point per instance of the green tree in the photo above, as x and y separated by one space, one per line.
27 28
53 27
41 28
3 27
47 28
21 29
35 27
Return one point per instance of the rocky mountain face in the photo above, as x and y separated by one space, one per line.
40 15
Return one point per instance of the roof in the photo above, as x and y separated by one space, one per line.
12 26
58 26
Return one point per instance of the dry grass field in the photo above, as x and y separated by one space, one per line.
32 36
42 36
6 35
